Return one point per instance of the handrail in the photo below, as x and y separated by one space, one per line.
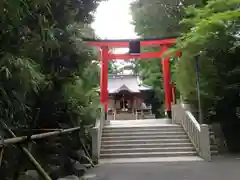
194 121
139 113
198 134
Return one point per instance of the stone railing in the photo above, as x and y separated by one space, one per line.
114 115
140 113
111 114
96 133
136 114
197 133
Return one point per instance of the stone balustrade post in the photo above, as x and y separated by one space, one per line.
205 150
95 143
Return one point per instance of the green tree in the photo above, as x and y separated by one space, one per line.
210 30
45 76
213 35
112 67
156 19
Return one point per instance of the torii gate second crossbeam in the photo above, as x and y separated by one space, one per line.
106 55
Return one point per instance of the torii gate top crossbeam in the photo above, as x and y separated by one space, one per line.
125 42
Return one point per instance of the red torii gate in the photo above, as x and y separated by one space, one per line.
106 56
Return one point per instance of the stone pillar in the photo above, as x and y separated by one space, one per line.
205 143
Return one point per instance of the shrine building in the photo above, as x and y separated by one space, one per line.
127 97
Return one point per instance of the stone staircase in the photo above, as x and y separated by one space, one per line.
145 141
125 116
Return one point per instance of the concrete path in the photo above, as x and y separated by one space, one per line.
150 160
218 169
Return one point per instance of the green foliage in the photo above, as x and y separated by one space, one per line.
212 33
156 19
112 68
209 30
22 74
82 98
47 77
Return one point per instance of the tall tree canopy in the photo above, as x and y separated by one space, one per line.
156 19
212 33
47 77
208 30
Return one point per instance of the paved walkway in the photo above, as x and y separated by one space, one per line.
218 169
152 160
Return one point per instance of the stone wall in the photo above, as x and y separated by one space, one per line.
217 138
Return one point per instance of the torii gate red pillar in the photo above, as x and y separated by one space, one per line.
166 79
167 84
104 54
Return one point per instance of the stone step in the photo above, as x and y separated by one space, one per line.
213 146
143 126
142 141
214 149
145 129
147 150
125 116
146 137
114 134
214 152
146 145
149 117
121 141
150 154
146 116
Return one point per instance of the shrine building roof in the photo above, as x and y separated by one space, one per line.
131 83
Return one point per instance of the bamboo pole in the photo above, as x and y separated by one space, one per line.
15 139
1 148
86 152
84 148
27 130
1 155
38 167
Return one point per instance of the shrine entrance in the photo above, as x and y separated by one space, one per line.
135 54
125 100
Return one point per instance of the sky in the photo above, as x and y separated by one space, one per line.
113 20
